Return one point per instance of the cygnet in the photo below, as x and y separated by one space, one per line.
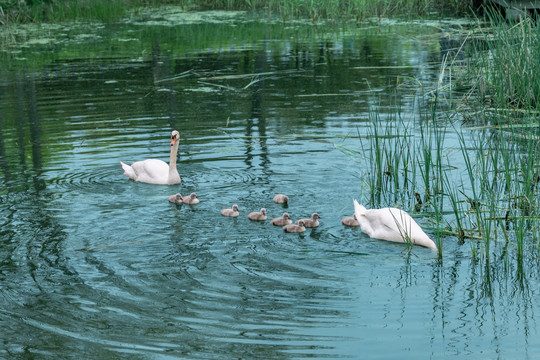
281 199
295 228
192 199
350 221
258 215
176 199
234 211
313 222
280 221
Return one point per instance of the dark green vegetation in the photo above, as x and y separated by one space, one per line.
111 10
15 11
357 9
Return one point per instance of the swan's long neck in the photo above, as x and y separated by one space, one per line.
173 172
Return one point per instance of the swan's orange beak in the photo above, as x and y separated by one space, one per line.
173 140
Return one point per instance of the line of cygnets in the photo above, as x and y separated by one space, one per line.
284 221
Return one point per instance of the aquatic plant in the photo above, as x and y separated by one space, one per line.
506 63
356 9
484 195
392 164
57 11
15 11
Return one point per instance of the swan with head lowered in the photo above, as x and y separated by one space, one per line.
391 224
153 171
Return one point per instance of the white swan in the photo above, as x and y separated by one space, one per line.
391 224
153 171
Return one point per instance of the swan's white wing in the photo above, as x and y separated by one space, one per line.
391 224
151 171
407 226
380 224
415 232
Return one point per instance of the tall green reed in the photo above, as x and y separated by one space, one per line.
61 11
405 164
486 200
14 11
392 163
507 63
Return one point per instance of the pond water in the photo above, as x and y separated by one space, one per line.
95 265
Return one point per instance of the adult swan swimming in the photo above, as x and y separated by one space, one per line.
391 224
153 171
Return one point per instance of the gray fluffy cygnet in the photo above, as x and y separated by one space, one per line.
281 199
258 215
313 222
191 199
234 211
295 228
280 221
176 198
350 221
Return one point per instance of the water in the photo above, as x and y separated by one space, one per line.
95 265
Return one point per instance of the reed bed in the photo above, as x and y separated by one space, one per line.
16 11
486 196
355 9
480 189
55 11
505 65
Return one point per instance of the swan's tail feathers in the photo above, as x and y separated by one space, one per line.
359 210
128 170
427 242
432 245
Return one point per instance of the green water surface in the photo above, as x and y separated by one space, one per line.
95 266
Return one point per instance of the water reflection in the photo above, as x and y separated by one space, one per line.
3 159
257 115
